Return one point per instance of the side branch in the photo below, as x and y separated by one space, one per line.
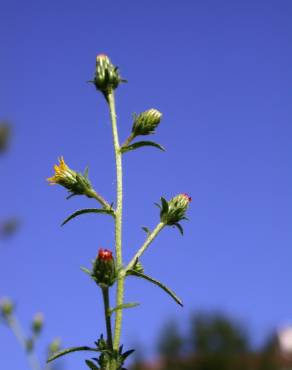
143 248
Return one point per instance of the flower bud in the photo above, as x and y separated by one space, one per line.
146 122
75 182
174 211
104 269
37 323
6 307
55 346
107 76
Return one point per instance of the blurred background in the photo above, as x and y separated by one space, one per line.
221 74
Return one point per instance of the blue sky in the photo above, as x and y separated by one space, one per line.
221 74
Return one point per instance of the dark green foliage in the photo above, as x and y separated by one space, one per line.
140 144
88 210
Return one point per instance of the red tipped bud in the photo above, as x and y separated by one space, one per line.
104 269
174 210
105 254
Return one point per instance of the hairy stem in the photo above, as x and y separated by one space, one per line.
17 331
93 194
105 294
129 140
143 248
118 221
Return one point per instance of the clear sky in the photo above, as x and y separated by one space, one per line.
220 71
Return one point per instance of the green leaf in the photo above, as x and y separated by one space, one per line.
180 228
147 230
139 144
164 204
70 350
159 284
127 353
124 305
91 365
86 270
88 210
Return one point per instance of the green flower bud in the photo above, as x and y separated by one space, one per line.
146 122
37 323
104 269
76 183
107 76
174 211
55 346
6 307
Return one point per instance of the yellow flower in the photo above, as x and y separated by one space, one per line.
75 182
62 173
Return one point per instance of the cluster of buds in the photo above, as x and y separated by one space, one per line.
107 77
174 210
6 307
76 183
37 323
104 269
146 122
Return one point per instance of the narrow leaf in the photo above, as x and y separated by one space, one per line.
140 144
91 365
86 270
164 204
124 305
159 284
127 353
180 228
146 229
88 210
70 350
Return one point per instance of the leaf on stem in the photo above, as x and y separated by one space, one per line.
164 205
159 284
140 144
147 230
88 210
91 365
180 228
70 350
122 306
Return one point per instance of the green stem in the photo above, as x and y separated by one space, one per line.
105 294
128 141
17 331
93 194
118 221
143 248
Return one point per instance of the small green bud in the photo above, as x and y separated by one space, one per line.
6 307
146 122
104 269
76 183
37 323
174 211
107 77
55 346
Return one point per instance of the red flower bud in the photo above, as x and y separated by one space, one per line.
105 254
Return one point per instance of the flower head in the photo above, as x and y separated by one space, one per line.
146 122
37 323
104 268
75 182
174 210
6 307
107 76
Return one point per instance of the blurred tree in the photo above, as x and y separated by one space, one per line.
4 135
219 343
